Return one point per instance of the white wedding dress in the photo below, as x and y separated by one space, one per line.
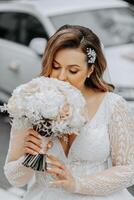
101 158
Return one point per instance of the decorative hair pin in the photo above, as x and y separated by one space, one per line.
91 54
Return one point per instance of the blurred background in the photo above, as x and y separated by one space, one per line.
26 25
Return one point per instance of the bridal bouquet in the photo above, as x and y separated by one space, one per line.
53 107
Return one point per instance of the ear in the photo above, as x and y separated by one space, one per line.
91 70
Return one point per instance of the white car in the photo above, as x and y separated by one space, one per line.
25 27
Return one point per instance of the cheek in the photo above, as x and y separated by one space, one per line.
53 74
78 80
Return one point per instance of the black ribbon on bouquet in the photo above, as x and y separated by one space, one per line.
38 162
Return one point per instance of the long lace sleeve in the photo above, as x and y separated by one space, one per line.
121 174
17 174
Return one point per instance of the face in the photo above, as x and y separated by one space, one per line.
70 65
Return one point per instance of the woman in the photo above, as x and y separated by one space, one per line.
97 164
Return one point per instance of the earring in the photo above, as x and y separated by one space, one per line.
88 76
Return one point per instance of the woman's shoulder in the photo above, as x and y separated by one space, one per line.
115 97
117 102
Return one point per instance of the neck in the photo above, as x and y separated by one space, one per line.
88 92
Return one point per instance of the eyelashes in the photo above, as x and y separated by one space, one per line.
56 67
72 72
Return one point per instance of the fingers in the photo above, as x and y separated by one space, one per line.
30 151
34 140
33 133
32 146
56 171
32 143
55 163
55 167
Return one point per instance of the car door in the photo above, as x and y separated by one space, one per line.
18 62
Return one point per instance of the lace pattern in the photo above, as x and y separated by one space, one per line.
17 174
121 174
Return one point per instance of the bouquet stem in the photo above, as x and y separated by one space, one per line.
37 162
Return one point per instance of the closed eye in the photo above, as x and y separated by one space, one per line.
58 67
54 67
73 72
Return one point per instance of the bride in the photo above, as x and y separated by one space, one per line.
98 163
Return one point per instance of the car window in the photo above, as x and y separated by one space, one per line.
114 26
20 27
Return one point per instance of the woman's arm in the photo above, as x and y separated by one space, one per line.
17 174
121 175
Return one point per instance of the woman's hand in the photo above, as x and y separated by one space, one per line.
33 142
63 177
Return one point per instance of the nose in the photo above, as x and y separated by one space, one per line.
62 75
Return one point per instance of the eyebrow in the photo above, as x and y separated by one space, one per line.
67 65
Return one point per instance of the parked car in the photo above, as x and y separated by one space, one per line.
25 27
130 1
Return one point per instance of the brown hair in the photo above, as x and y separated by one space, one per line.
69 36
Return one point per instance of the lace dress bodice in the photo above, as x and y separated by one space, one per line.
101 158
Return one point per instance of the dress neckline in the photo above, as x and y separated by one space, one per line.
98 110
89 123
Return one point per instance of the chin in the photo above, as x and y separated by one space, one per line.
79 88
